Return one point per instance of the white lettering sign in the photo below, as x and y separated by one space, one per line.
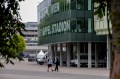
55 8
56 28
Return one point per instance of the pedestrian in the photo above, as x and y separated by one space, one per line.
49 64
56 63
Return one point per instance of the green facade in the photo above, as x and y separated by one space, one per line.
68 21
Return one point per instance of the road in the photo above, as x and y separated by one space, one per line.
31 70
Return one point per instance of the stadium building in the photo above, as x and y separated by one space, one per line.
67 27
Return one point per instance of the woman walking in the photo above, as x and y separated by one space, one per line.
49 64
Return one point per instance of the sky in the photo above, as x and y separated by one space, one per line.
28 10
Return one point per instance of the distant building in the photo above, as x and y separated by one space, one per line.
31 38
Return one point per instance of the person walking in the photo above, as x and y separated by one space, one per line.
56 64
49 64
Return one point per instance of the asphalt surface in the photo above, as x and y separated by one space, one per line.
31 70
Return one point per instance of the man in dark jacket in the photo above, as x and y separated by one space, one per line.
56 64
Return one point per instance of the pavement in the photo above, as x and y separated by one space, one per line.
33 66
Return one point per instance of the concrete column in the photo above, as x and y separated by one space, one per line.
68 54
96 56
55 49
61 55
52 52
78 54
49 50
89 55
108 52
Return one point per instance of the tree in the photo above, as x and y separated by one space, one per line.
19 46
20 43
14 51
10 26
114 12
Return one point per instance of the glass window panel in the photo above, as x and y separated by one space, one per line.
65 7
67 4
86 25
80 25
86 48
93 51
73 25
81 47
61 5
89 4
89 25
80 5
84 57
73 4
86 4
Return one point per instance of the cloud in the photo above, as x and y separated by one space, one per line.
28 10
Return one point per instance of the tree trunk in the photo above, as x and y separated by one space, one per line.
115 19
116 67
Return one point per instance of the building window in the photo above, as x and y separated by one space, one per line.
80 5
73 4
89 5
73 25
89 25
77 4
84 48
86 25
80 25
63 5
31 35
67 5
33 26
31 31
32 45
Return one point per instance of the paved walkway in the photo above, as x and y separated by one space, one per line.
24 65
